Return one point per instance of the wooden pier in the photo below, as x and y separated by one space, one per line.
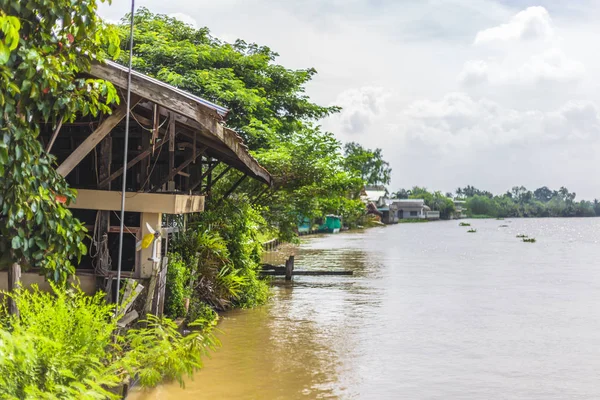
288 271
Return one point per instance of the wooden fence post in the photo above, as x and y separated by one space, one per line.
14 282
289 268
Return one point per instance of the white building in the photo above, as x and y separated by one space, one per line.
409 208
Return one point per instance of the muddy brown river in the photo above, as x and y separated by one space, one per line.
432 312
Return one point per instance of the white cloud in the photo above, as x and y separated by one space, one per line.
360 107
185 18
532 23
551 65
530 85
458 122
533 55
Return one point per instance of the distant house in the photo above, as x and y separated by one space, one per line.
411 208
374 194
460 210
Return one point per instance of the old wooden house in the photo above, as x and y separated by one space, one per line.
176 141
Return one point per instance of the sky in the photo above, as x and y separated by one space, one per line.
488 93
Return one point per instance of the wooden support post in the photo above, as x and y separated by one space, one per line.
206 173
162 286
155 125
131 163
151 289
209 175
260 194
171 142
54 135
222 174
104 164
14 282
92 140
173 172
289 268
147 144
232 189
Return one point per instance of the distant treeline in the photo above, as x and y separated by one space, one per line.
517 202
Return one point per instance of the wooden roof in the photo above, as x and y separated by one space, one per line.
197 116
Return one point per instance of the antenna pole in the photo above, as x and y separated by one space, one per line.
125 148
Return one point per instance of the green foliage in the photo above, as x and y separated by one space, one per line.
44 48
521 236
482 205
222 251
200 312
65 345
176 287
368 164
529 240
57 347
472 230
160 352
270 111
266 100
464 224
520 202
310 181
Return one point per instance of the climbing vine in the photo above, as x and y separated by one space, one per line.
45 46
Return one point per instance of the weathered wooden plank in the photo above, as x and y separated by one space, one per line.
14 282
226 143
307 273
54 135
222 174
199 181
131 163
177 170
235 186
92 140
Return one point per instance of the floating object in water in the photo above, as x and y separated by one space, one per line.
503 226
464 224
529 240
521 236
472 230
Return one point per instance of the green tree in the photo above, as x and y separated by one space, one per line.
45 47
266 100
369 164
543 194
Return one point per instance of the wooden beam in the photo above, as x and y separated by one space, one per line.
259 195
224 142
208 171
92 140
222 174
171 143
177 170
232 189
155 125
54 135
131 163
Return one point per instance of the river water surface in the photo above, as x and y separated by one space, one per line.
432 312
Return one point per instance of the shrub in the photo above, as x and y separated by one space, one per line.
65 345
57 347
176 287
200 313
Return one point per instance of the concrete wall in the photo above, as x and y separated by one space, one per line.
406 213
86 282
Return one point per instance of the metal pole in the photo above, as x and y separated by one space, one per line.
124 186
